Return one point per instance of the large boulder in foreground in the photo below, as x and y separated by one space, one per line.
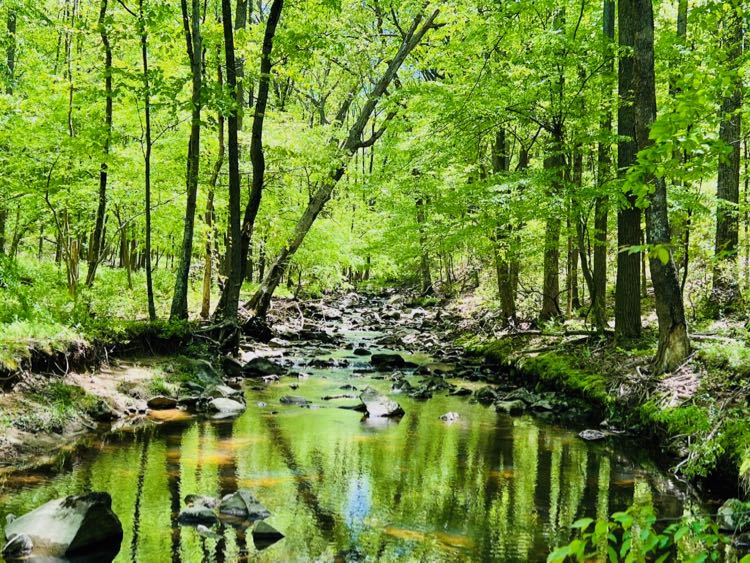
379 405
74 525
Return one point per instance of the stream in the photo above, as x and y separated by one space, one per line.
343 487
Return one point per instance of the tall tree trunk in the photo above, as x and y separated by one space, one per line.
236 275
502 238
261 301
10 52
208 269
673 339
191 23
725 294
147 159
101 210
627 290
574 298
554 164
257 155
598 290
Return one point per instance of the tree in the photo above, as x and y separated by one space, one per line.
234 281
627 289
674 345
261 301
192 28
101 210
726 290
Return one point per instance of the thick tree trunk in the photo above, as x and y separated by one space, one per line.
192 23
502 239
627 290
261 301
147 160
673 339
725 294
101 210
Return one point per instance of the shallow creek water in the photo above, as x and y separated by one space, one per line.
342 487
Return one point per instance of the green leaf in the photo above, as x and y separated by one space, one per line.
583 523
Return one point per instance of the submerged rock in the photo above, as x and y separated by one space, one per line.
512 408
524 395
161 402
206 532
294 400
67 526
225 406
202 500
592 435
232 366
362 352
486 395
421 393
450 417
258 367
385 362
197 514
242 504
265 535
460 392
379 405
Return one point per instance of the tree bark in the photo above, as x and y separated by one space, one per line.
261 301
627 289
725 294
209 219
236 275
101 210
502 239
147 159
554 164
673 339
191 23
598 290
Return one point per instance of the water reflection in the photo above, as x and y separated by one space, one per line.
339 488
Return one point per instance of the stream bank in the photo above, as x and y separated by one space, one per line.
450 479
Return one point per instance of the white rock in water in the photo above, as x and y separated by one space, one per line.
450 417
379 405
69 526
592 435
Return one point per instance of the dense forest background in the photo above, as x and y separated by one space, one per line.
561 159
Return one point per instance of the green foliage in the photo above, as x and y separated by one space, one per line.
57 404
633 536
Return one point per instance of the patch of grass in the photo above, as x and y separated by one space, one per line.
19 338
56 404
159 386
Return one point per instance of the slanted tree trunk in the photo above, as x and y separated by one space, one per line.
261 301
192 26
627 290
147 159
234 251
101 210
725 294
673 339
